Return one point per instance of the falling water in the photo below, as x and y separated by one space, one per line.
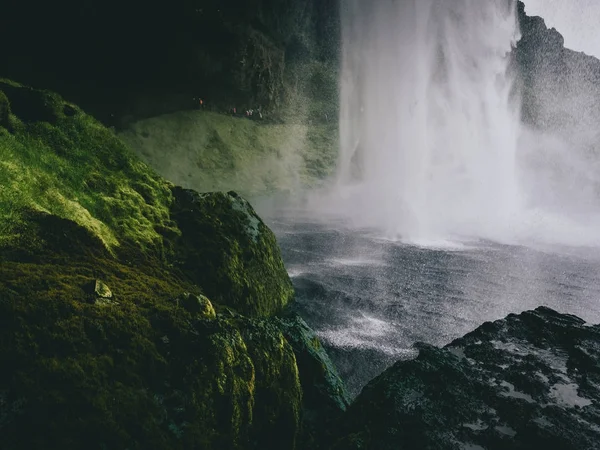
428 128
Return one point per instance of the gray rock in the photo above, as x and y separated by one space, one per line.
527 381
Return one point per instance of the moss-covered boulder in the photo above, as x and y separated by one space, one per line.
67 165
197 304
229 251
110 284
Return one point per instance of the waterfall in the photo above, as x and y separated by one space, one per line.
428 125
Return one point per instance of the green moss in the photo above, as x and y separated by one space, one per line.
63 162
142 373
108 277
229 251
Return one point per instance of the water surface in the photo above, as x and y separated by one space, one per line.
371 299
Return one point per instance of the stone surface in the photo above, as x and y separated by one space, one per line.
528 381
225 248
102 290
324 394
560 87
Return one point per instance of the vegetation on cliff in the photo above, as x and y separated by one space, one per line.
157 58
120 299
208 151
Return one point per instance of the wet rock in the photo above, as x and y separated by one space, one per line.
225 248
527 381
324 394
560 87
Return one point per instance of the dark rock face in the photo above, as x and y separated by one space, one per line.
527 381
324 394
139 59
561 87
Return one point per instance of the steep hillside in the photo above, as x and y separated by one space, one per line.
208 151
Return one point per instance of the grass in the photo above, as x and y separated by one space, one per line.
207 151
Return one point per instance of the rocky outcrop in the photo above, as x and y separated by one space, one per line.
528 381
121 298
324 395
229 251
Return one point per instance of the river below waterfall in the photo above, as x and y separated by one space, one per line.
370 299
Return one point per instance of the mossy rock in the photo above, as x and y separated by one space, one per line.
198 305
228 250
142 373
62 162
324 395
108 339
32 105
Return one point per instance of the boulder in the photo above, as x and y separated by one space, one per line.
528 381
143 374
197 304
225 248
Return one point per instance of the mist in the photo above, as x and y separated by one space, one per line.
434 148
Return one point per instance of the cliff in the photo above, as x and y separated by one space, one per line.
560 87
